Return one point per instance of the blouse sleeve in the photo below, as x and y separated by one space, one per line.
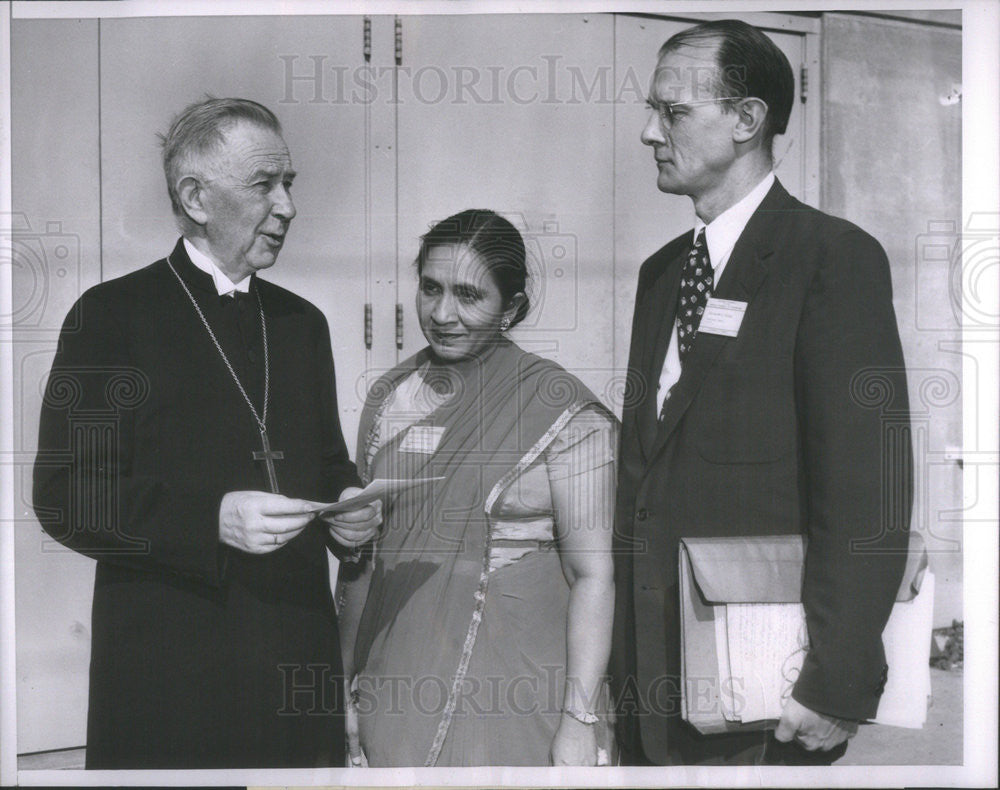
582 470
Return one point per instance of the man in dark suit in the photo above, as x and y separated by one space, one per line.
764 360
188 425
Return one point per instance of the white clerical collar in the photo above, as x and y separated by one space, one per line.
223 284
722 233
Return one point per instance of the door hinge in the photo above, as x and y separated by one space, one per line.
399 41
804 83
368 325
366 48
399 327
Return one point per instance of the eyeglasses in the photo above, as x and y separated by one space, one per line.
667 111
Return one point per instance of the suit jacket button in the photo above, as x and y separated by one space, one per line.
642 514
882 679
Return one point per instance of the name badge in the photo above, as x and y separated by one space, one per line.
423 439
722 317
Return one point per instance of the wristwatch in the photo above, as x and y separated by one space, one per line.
581 716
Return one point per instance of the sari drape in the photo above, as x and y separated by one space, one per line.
438 683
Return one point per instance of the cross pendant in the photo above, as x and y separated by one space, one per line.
268 456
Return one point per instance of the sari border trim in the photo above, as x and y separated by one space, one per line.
368 457
484 578
529 458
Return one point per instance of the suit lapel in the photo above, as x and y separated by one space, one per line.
663 308
740 280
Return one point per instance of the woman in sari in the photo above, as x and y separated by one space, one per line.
478 626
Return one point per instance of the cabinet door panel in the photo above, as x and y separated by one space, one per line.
114 84
494 112
152 68
55 256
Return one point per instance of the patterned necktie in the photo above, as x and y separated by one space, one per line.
697 279
696 287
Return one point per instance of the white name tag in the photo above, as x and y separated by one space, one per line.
423 439
722 317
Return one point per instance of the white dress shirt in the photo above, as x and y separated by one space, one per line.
223 284
721 235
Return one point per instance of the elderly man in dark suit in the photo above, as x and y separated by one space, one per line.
189 423
752 337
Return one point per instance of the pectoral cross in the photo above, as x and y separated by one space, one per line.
268 456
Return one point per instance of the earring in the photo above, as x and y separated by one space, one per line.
504 324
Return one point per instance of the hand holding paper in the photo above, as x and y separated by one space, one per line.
356 517
355 524
258 522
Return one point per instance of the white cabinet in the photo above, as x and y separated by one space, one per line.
393 123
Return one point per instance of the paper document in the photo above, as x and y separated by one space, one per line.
725 671
376 489
744 635
761 648
767 643
908 654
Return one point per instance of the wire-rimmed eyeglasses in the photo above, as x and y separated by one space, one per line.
666 111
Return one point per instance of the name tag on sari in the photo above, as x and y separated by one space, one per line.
423 439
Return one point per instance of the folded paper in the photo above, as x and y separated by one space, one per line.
376 489
744 635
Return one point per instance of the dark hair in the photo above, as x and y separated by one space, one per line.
749 64
497 243
199 129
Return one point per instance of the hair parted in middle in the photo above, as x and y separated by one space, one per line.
497 243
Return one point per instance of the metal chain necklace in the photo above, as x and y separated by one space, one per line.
266 454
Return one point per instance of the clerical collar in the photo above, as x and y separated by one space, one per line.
722 233
223 284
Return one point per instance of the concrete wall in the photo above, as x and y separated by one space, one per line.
891 162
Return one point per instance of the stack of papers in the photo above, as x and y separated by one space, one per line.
761 649
744 637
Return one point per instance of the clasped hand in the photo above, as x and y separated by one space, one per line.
258 522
